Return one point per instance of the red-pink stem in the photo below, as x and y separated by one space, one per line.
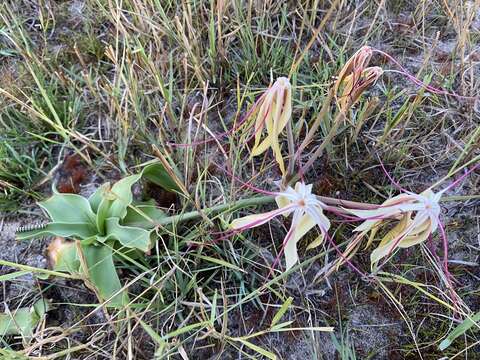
455 183
346 259
445 250
392 180
448 275
418 82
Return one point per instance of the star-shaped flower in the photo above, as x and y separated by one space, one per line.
417 215
307 212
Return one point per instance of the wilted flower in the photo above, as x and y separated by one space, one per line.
355 77
274 112
307 212
60 252
417 215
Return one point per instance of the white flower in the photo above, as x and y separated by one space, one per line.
424 208
307 212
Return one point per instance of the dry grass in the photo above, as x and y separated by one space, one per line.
119 82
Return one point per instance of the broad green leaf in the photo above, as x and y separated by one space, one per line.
122 193
157 174
103 276
281 311
460 330
96 198
131 237
41 307
102 214
22 321
69 229
68 208
143 215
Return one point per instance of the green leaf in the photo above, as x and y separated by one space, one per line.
157 174
22 321
96 198
103 275
102 215
460 330
143 215
70 229
41 307
7 354
122 193
281 311
114 202
68 208
131 237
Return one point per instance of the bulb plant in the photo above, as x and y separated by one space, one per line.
99 228
93 232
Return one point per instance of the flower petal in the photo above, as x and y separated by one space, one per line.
260 148
291 254
316 212
251 221
379 253
289 243
304 225
282 201
317 242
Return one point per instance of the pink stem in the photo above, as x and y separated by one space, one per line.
392 180
418 82
445 249
448 275
455 183
337 249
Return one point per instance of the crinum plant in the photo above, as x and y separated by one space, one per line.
99 228
92 233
